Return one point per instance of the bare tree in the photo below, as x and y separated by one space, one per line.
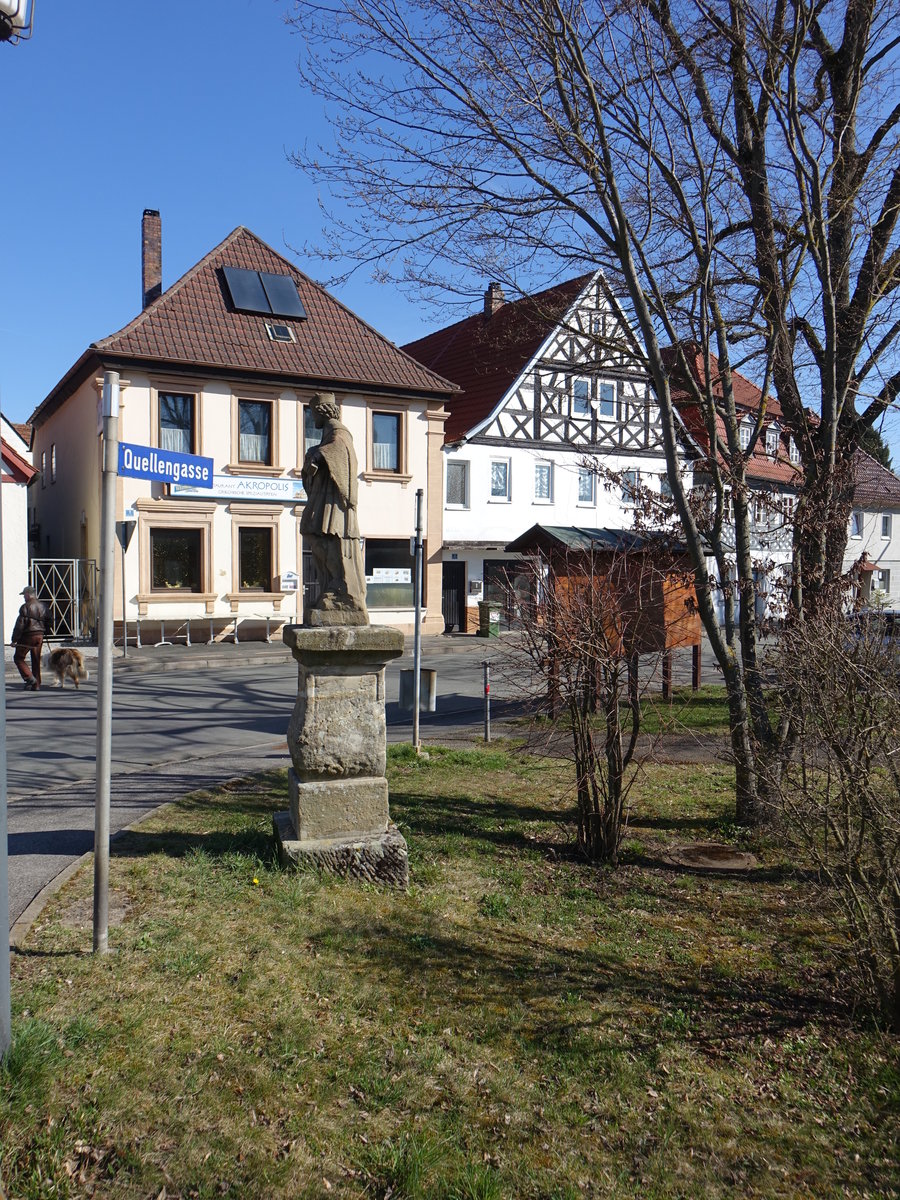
841 791
734 169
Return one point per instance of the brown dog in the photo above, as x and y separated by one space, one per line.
67 663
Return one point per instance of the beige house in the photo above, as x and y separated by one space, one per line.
223 364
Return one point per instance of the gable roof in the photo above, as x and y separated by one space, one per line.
748 399
874 486
193 325
486 355
561 538
15 468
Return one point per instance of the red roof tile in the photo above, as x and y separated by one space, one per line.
762 467
486 355
875 487
193 324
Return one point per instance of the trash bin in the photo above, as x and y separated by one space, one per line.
488 619
427 690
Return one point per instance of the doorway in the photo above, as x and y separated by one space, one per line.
453 596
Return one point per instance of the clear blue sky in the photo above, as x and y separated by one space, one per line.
110 109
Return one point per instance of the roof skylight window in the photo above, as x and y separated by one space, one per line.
279 333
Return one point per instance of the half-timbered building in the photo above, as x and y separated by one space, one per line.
549 393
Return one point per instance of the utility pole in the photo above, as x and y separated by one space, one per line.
105 657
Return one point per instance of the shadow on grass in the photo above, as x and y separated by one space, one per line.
494 821
509 979
252 844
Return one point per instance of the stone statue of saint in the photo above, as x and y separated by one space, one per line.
329 525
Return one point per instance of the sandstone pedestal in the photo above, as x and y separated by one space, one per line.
338 818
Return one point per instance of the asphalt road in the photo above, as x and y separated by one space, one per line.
194 724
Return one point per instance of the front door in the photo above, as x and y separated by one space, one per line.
453 600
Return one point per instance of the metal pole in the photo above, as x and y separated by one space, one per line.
5 1011
124 621
104 657
417 632
486 664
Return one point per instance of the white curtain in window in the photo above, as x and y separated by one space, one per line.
254 447
385 455
178 440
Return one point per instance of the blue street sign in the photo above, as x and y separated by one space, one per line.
149 462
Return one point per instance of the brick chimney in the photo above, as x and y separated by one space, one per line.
151 256
493 299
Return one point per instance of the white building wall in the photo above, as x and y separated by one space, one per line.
869 536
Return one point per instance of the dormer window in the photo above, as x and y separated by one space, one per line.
773 434
745 432
793 451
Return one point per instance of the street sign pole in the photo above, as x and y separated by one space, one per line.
124 531
5 1009
417 631
104 658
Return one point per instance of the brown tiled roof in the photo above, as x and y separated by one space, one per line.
874 487
24 430
193 324
762 467
486 355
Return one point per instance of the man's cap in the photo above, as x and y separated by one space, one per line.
28 591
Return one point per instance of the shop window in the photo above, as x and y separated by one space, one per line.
255 559
385 441
176 422
389 573
586 485
255 431
175 560
458 484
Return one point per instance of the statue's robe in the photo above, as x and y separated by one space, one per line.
332 490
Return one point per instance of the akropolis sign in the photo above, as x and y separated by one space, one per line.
246 487
169 466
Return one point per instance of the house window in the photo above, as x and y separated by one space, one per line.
255 559
793 451
630 484
385 441
176 422
389 573
788 504
581 397
606 400
883 582
586 485
886 525
311 435
772 441
255 431
856 524
759 509
500 479
745 432
665 488
175 560
43 468
458 484
53 463
543 482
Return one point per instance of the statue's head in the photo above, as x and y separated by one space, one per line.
325 405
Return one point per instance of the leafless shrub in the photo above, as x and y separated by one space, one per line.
840 793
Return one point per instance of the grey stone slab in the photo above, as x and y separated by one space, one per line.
324 808
382 858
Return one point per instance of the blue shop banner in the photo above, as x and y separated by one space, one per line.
149 462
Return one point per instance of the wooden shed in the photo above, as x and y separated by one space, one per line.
645 582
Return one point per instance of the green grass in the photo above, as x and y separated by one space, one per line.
519 1024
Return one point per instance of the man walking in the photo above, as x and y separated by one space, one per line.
28 638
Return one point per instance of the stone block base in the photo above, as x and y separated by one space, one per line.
378 858
330 808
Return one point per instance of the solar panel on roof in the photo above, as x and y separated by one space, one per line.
247 292
281 291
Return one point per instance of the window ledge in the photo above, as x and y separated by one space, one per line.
252 469
248 597
385 476
176 596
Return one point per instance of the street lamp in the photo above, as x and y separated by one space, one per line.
16 17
